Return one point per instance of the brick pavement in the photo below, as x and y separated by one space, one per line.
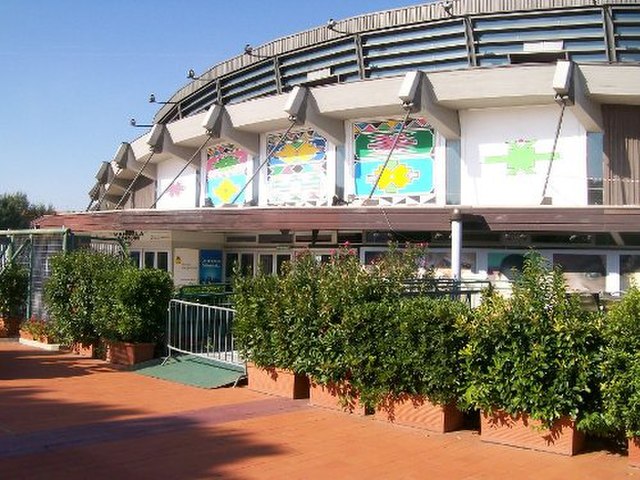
65 417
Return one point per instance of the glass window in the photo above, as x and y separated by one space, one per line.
629 271
582 272
231 259
149 259
281 258
266 263
163 261
246 263
135 258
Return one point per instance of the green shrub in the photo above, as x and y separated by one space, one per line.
14 285
257 313
535 353
621 365
407 346
135 310
79 281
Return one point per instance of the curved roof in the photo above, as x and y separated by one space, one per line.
438 36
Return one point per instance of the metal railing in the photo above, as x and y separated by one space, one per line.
202 330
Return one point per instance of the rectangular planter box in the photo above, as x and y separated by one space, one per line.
418 412
9 327
634 452
87 350
124 353
520 431
276 381
328 396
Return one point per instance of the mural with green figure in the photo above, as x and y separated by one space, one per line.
521 157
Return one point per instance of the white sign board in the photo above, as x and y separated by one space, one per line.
186 266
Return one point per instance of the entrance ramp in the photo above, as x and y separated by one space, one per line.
194 371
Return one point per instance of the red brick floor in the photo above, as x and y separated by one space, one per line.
65 417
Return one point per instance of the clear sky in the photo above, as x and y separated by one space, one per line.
72 73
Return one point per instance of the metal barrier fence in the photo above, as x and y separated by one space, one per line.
202 330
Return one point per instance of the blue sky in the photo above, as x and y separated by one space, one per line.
72 73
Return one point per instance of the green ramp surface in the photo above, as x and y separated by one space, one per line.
192 370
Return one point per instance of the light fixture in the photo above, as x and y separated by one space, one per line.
191 75
447 6
331 25
133 123
248 50
152 99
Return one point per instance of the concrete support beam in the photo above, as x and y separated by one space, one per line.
127 164
218 124
587 111
303 106
416 89
161 143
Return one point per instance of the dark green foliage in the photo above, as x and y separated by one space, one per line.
14 285
16 212
79 281
621 365
407 346
136 309
91 295
337 321
257 313
535 353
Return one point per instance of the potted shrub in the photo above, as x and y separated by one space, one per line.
14 284
132 318
78 283
404 360
261 338
531 363
37 330
621 371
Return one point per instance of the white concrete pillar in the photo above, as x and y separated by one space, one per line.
456 244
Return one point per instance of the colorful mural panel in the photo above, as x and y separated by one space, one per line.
297 169
227 174
521 157
410 168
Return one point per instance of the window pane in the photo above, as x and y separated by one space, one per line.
163 261
586 273
149 259
629 271
230 264
135 259
280 261
246 263
266 264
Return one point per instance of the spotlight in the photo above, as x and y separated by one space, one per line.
133 123
248 50
152 99
332 25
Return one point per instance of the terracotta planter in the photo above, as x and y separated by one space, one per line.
417 411
125 353
634 452
24 335
520 431
328 396
9 327
84 349
276 381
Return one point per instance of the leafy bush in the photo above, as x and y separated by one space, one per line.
257 313
535 353
79 281
14 285
135 309
297 321
407 346
621 365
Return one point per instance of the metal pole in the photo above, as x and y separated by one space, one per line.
456 244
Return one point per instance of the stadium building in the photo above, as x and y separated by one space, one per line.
483 127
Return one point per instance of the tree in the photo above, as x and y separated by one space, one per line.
17 212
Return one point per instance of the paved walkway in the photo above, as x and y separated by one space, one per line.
65 417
